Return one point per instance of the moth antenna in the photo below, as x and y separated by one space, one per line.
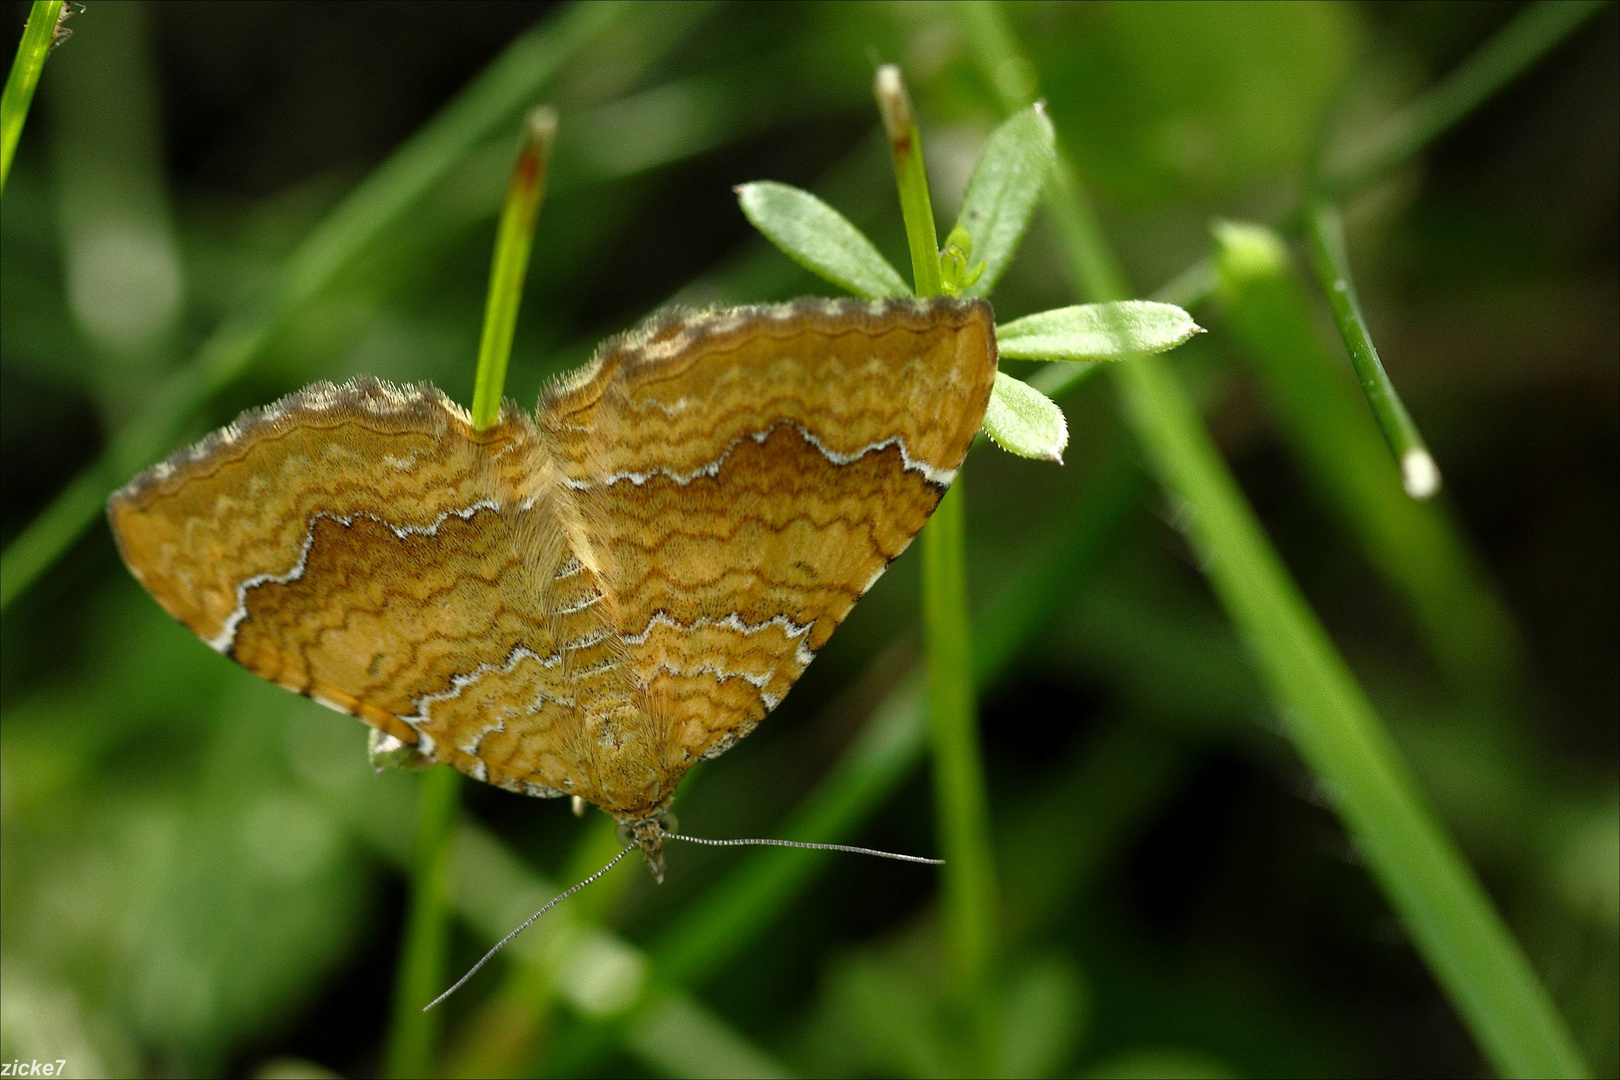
553 902
812 847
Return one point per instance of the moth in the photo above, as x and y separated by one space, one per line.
585 600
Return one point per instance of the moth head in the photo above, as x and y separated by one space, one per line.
647 834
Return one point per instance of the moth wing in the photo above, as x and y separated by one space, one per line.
744 476
362 545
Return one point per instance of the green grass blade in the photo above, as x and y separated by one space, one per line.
819 238
1451 919
1414 546
911 178
23 79
1429 884
381 200
514 237
959 795
1324 237
1533 33
414 1034
1530 36
413 1038
1024 421
958 771
1110 331
1003 192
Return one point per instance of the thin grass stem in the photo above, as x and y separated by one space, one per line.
514 238
959 790
1531 34
32 50
1415 546
1540 28
911 178
380 201
970 891
1324 236
413 1036
1452 921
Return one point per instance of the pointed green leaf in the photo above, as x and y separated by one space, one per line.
1109 331
1024 421
1001 196
819 238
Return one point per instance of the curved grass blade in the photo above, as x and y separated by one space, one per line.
961 803
1324 235
911 178
1533 33
514 237
23 79
1452 921
1415 546
509 82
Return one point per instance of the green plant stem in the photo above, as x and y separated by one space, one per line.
380 201
414 1034
1415 546
1452 922
959 791
911 178
1514 48
413 1039
514 238
1324 236
970 902
32 50
1531 35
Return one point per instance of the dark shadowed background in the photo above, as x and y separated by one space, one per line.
201 874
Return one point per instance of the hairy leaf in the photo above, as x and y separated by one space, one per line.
1109 331
819 238
1001 196
1024 421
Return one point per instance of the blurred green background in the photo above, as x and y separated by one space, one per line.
202 875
